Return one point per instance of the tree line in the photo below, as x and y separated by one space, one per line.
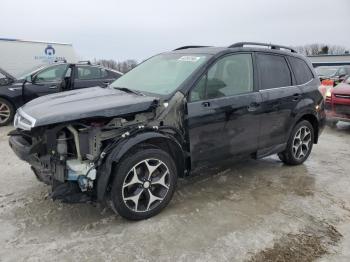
310 49
121 66
321 49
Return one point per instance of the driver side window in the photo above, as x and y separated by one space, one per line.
52 74
229 76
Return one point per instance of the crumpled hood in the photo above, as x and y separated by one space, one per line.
85 103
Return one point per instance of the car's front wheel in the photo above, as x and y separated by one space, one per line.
7 112
144 184
299 144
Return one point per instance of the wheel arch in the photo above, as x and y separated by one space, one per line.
166 142
311 117
8 99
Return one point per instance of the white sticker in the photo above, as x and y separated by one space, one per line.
189 58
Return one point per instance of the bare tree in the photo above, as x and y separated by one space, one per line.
318 49
123 66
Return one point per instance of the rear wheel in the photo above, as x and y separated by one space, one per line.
299 145
144 184
7 112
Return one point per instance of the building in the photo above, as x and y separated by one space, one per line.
18 56
329 60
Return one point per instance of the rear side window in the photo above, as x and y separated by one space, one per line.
301 70
273 71
90 72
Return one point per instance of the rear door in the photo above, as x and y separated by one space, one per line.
280 97
223 112
89 76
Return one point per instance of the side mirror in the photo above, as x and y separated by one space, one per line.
5 81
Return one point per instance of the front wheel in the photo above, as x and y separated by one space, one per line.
7 112
144 184
299 144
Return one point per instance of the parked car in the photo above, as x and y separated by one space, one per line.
338 103
127 144
44 80
335 73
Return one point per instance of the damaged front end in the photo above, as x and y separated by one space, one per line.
70 156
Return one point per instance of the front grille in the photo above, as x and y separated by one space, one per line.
23 120
342 109
342 96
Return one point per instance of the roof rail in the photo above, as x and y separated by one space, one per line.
60 61
272 46
84 62
190 46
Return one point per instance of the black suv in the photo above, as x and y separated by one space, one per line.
176 111
49 79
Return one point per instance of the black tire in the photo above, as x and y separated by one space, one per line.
289 156
7 107
124 175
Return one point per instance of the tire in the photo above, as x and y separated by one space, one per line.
299 145
146 194
7 112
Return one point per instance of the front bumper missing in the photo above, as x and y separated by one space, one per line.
42 165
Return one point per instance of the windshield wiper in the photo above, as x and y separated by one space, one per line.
128 90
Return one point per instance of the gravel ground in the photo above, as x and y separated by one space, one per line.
250 211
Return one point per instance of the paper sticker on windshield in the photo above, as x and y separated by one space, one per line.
189 58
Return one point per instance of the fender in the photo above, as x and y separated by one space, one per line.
299 115
120 150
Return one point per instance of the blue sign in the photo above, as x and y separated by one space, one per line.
49 50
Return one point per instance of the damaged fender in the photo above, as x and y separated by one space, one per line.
124 146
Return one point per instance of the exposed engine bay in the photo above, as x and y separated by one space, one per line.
69 155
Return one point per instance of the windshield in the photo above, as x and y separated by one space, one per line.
326 71
161 74
27 72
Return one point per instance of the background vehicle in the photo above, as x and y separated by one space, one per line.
335 73
44 80
338 103
176 111
17 56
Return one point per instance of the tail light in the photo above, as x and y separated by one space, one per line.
327 82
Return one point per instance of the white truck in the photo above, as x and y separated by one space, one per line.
18 56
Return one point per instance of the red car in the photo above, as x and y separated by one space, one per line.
338 102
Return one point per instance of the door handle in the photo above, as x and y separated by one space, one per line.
253 107
206 104
53 87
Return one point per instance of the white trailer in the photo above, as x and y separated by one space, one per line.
18 56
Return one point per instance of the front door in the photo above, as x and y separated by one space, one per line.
224 111
48 81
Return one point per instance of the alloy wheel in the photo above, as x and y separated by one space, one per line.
301 142
4 113
146 185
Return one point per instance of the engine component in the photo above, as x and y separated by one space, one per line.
62 147
82 172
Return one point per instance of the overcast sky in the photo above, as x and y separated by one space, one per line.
139 29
